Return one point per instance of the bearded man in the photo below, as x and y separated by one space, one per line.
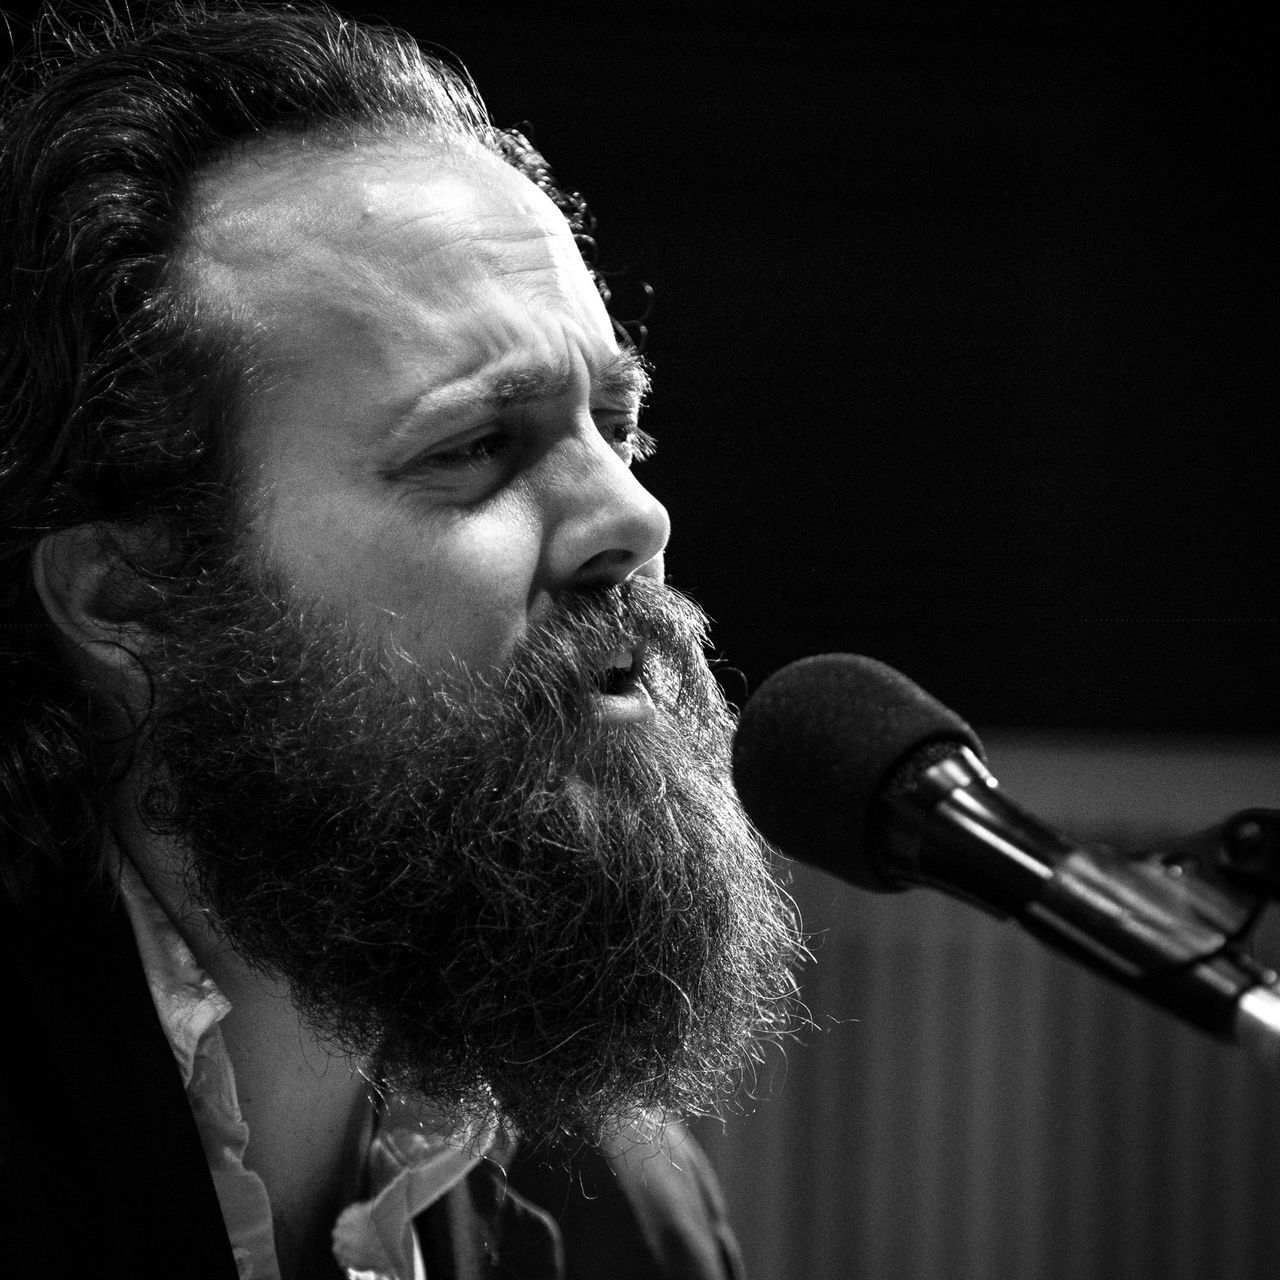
356 757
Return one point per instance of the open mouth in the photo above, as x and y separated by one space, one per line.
623 695
622 674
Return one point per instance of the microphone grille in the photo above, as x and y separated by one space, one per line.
819 741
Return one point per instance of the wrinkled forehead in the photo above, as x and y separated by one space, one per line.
288 216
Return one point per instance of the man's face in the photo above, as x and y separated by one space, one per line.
447 425
385 726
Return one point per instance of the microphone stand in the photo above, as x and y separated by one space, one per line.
1184 932
1169 923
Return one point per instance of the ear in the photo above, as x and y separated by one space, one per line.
77 574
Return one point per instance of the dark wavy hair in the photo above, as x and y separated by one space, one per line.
119 390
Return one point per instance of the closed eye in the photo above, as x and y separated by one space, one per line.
471 454
464 455
492 448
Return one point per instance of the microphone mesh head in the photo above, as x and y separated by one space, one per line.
819 741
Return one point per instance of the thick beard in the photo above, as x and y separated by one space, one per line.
502 903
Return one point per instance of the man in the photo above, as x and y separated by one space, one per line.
355 755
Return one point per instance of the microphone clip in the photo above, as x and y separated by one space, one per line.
1247 854
1224 875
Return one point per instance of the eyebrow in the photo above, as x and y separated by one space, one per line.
624 376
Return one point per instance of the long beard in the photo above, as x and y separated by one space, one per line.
502 902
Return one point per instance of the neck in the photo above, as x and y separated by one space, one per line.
306 1106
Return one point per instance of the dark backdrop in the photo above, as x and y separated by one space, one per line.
962 326
963 335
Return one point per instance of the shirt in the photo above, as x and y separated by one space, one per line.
413 1157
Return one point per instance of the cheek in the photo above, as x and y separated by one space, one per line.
458 589
438 586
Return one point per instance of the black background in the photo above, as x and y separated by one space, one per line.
962 328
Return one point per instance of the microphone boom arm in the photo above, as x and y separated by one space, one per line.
1168 924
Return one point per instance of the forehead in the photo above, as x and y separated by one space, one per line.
382 242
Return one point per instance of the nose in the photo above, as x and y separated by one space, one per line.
606 526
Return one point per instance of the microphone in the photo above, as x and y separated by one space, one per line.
845 764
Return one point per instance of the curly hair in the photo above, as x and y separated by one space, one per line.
119 391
